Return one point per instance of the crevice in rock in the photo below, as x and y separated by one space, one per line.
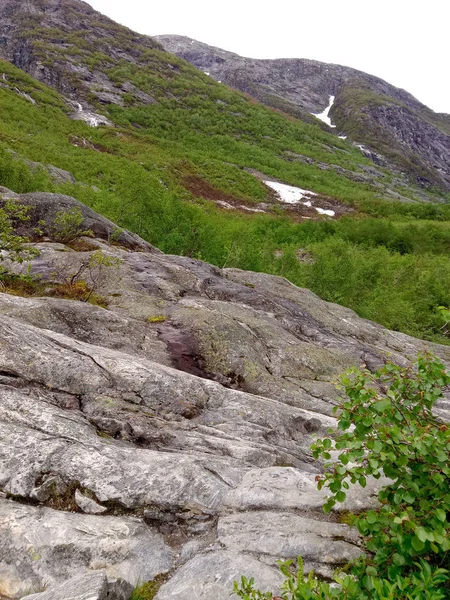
183 351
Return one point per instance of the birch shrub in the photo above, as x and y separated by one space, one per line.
386 427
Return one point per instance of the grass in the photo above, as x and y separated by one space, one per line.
147 591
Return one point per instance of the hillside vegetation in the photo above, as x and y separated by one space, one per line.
387 260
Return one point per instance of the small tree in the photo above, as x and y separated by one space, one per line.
13 246
68 226
386 427
91 276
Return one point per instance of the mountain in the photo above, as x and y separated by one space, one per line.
368 110
199 169
192 264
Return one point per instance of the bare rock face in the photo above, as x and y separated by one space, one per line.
63 18
81 587
44 207
182 415
46 546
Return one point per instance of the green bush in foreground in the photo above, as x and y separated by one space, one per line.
386 427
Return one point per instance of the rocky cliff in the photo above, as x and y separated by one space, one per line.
68 45
167 435
370 111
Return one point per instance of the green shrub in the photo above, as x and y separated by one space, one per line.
386 427
14 245
68 226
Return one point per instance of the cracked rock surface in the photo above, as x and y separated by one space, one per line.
182 416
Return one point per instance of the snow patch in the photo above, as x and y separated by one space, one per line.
289 193
92 119
323 116
206 73
293 195
322 211
342 137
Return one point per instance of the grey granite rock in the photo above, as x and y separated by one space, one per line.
189 405
87 505
286 535
82 587
44 546
210 576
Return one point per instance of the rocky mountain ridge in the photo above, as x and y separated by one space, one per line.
108 74
367 109
168 435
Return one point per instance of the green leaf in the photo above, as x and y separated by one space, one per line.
341 496
421 534
382 405
417 544
398 559
371 517
440 514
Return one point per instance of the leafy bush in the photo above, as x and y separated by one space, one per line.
92 276
386 427
13 246
68 226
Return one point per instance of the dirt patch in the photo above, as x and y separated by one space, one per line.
300 212
202 189
297 212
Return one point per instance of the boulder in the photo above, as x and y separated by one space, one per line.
93 586
41 546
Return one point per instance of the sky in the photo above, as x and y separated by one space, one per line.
405 42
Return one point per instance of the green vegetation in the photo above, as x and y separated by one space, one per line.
11 216
157 170
147 591
67 226
157 319
386 427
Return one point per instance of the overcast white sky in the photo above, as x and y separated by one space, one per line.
406 42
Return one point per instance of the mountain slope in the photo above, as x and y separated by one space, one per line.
367 109
187 172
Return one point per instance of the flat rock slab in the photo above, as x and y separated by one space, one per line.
211 576
288 488
192 401
83 587
92 586
41 546
287 535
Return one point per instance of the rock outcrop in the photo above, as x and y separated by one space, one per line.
181 415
